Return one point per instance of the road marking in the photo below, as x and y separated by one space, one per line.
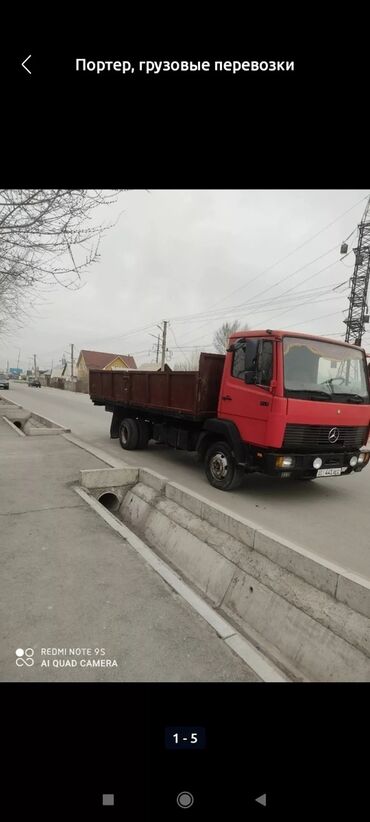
264 669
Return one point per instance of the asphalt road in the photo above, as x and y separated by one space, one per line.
329 516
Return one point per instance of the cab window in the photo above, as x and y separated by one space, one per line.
245 358
264 376
254 359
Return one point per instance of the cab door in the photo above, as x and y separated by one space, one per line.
248 404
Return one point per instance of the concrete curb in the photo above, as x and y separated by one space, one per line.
312 618
345 586
100 477
51 425
96 452
302 562
307 628
55 426
5 402
267 671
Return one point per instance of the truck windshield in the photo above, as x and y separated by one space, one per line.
324 370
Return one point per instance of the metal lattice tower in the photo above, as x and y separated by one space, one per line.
358 308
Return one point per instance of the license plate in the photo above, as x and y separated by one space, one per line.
329 472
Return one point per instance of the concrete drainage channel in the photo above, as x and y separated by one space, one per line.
27 423
110 501
310 619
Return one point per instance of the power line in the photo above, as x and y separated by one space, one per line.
263 291
120 336
177 345
288 291
278 296
209 311
309 302
314 319
282 259
221 313
307 293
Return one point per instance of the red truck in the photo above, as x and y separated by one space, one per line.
278 403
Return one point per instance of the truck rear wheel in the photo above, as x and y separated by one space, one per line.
129 434
221 468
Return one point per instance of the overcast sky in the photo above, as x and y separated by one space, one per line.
177 253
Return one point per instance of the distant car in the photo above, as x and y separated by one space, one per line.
4 382
34 383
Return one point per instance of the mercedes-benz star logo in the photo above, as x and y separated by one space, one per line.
333 435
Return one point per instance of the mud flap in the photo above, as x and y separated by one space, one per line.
114 426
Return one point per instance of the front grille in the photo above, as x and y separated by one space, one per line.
316 437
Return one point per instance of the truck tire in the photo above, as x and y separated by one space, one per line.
221 468
129 434
144 433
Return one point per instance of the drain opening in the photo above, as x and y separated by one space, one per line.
110 501
17 424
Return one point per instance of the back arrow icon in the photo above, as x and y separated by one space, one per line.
24 66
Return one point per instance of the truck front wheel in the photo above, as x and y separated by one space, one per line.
221 468
129 434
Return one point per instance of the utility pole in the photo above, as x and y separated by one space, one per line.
158 338
164 338
34 362
19 356
7 366
72 346
358 310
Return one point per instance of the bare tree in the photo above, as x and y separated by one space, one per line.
190 364
47 237
221 337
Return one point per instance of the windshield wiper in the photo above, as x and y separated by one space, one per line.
355 397
310 392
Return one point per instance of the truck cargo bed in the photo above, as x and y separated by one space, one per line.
192 394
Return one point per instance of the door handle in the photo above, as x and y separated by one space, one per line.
226 397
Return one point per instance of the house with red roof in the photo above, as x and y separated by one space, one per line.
88 360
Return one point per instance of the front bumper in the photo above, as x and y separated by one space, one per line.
265 462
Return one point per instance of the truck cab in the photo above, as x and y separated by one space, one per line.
300 404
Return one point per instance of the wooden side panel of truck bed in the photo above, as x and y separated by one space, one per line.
192 393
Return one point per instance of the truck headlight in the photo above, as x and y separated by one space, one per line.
284 462
317 463
361 458
353 462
